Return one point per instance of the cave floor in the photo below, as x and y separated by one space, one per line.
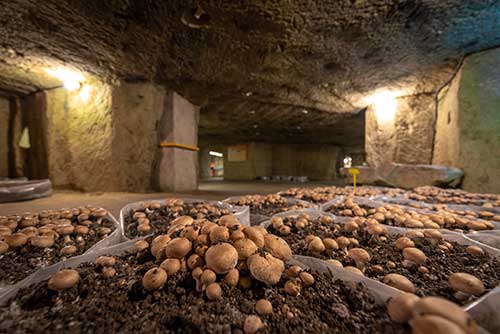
114 201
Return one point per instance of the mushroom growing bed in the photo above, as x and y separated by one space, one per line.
29 242
200 277
422 262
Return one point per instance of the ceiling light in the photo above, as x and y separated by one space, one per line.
305 112
71 80
216 154
255 126
251 112
385 105
248 94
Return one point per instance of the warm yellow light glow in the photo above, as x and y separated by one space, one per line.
85 92
71 80
385 105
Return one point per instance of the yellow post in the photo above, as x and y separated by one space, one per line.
353 172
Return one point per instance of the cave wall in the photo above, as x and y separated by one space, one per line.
407 138
468 132
258 163
4 139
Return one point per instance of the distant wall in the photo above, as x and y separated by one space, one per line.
258 163
4 139
468 131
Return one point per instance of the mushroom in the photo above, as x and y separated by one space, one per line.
306 278
263 307
335 263
207 277
343 243
158 246
400 308
108 272
443 308
399 282
154 279
41 241
292 287
68 250
229 221
414 234
252 324
351 226
194 260
434 235
403 242
4 247
219 233
171 266
213 291
330 244
221 258
63 280
141 245
267 269
354 270
360 256
277 222
277 247
16 240
433 324
413 256
316 245
293 271
466 284
245 247
232 277
255 235
474 250
105 261
178 247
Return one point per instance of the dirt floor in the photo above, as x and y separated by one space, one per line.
211 190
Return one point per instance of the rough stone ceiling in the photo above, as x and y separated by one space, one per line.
318 54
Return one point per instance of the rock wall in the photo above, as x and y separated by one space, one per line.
258 163
468 132
4 139
407 138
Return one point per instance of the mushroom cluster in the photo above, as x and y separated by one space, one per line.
269 204
430 315
153 217
397 215
66 229
325 194
216 251
453 196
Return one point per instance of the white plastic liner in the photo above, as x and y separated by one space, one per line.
113 239
490 238
373 203
241 212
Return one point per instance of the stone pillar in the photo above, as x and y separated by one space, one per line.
177 168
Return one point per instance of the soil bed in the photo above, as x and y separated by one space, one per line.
120 304
440 264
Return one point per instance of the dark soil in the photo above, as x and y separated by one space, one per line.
19 263
439 263
160 218
120 304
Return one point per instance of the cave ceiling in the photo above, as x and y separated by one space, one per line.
324 56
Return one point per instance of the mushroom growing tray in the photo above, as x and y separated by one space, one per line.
120 303
91 229
160 213
263 207
440 264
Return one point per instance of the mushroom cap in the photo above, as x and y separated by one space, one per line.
232 277
42 241
64 279
213 291
354 270
277 247
245 247
466 283
16 240
474 250
414 234
330 244
359 255
68 250
267 269
182 220
255 235
229 221
178 247
426 324
154 279
252 324
400 308
343 242
4 247
263 306
433 234
219 233
403 242
221 258
399 282
446 309
105 261
415 255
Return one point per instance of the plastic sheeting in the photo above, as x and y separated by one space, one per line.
241 212
18 190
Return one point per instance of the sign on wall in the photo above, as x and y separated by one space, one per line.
237 153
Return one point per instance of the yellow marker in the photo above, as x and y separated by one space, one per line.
353 172
181 146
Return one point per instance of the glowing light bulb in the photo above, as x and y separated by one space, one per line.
385 105
84 93
71 79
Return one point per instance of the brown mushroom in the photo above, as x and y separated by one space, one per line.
413 256
263 307
252 324
141 245
219 233
108 272
292 287
404 242
171 266
154 279
360 256
255 235
245 247
68 250
433 324
335 263
399 282
105 261
474 250
221 258
330 244
64 279
267 269
213 291
354 270
400 308
41 241
4 247
306 278
466 283
316 245
178 248
232 277
16 240
277 247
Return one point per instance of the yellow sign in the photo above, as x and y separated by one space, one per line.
353 172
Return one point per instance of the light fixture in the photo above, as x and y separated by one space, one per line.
255 126
305 112
251 112
248 94
84 93
71 80
385 105
216 154
347 162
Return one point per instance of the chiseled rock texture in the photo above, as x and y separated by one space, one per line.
468 131
4 131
